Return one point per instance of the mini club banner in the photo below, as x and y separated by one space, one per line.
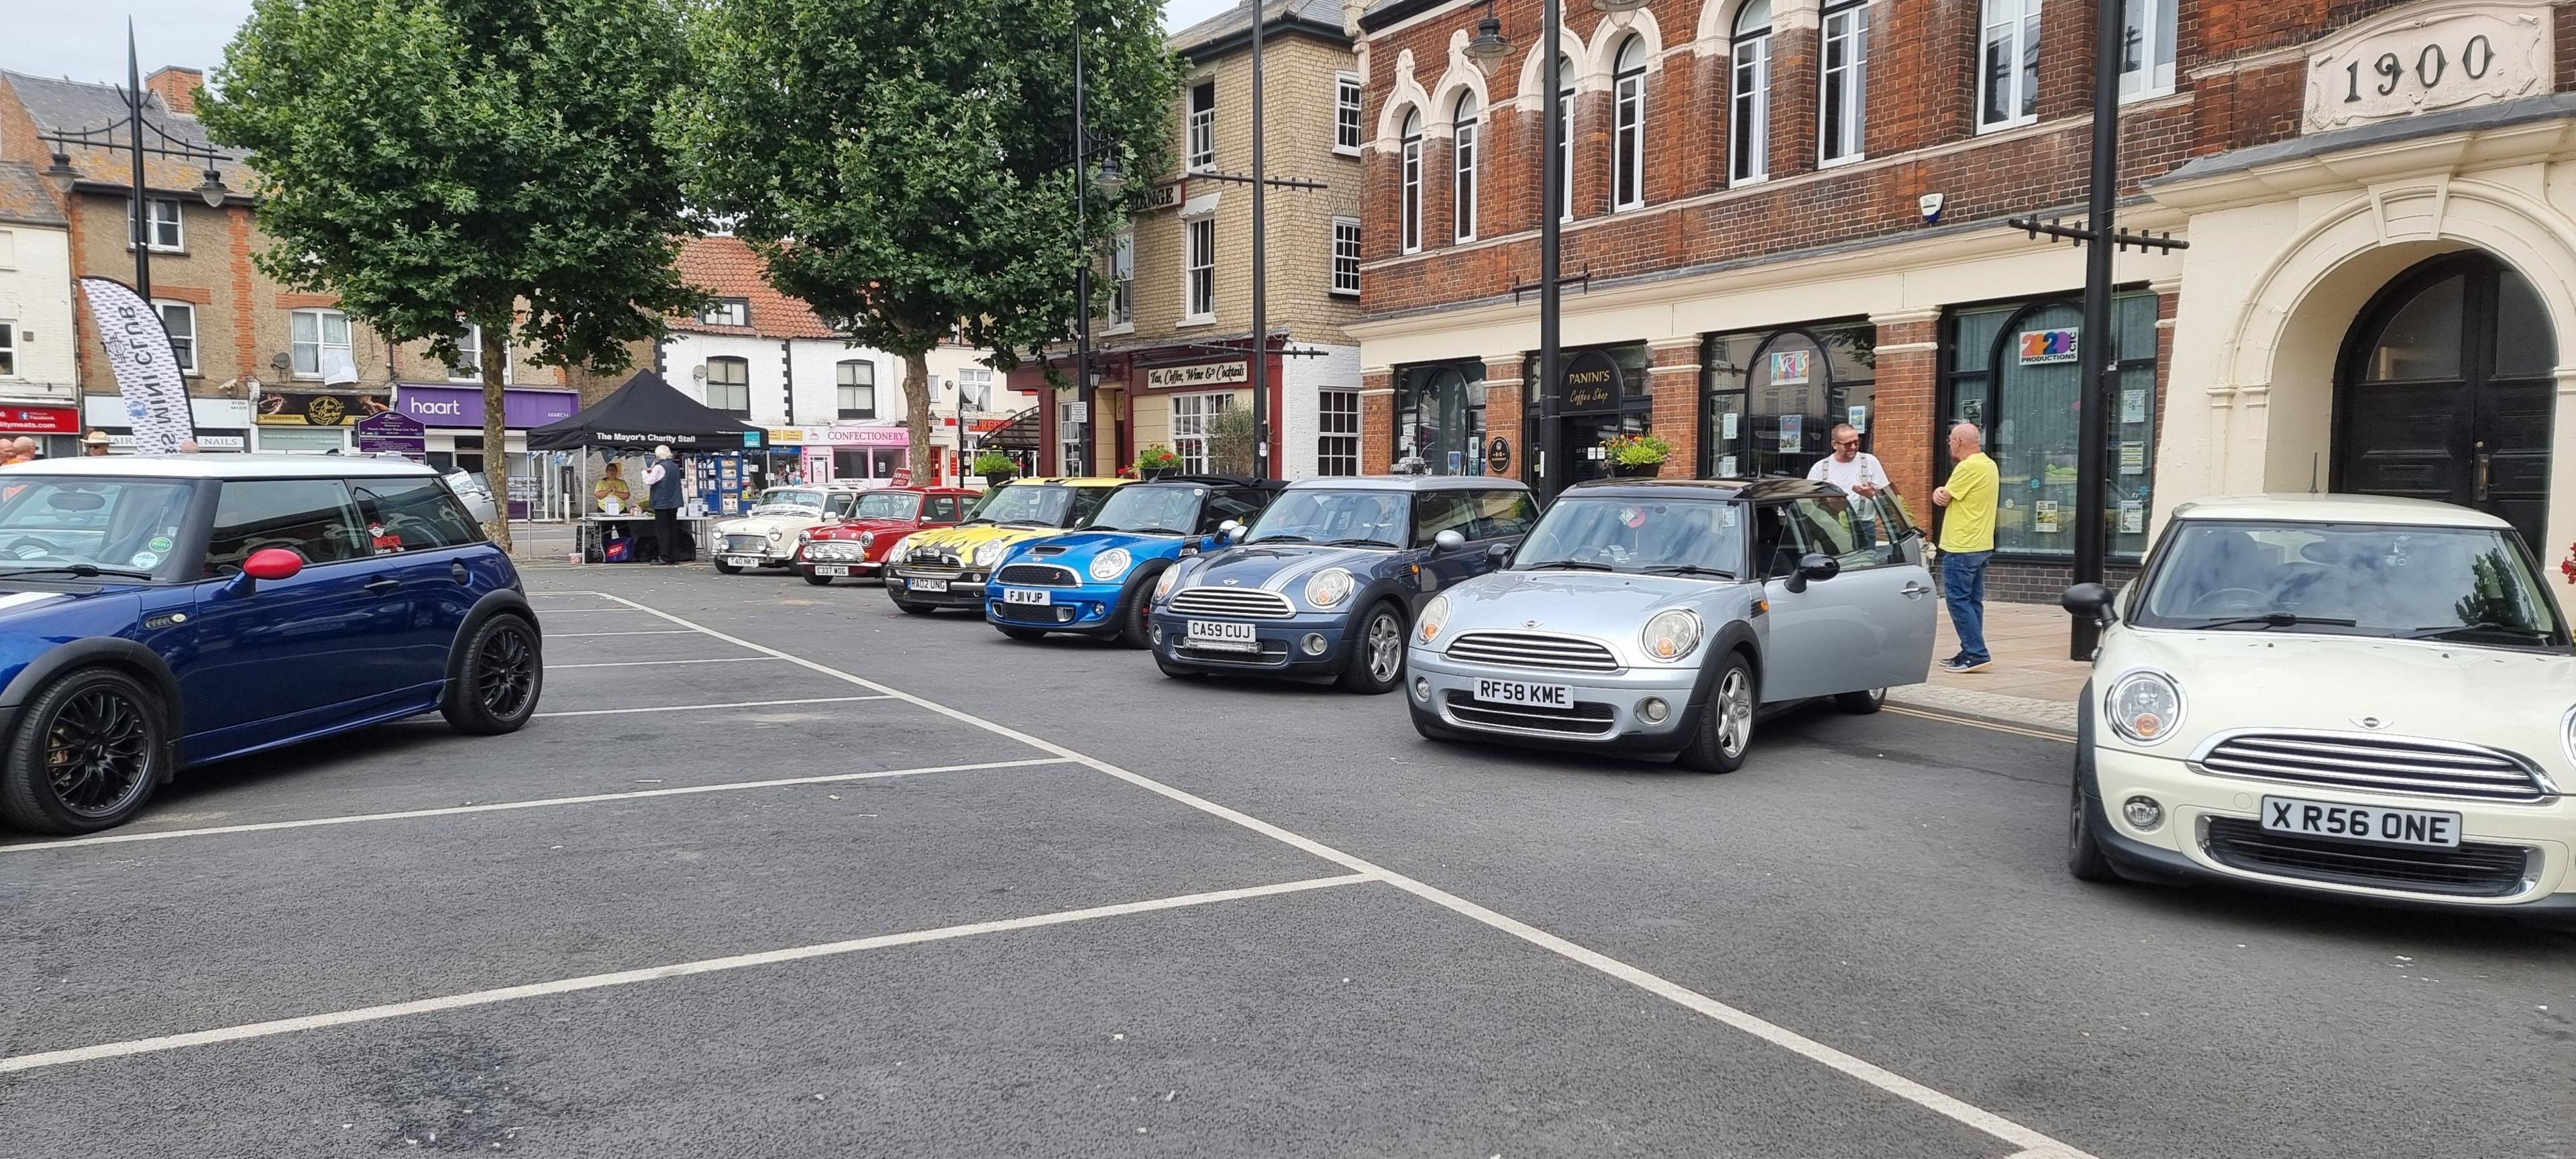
147 372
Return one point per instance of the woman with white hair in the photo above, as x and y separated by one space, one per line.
662 481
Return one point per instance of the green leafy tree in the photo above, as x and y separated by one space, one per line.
446 163
906 166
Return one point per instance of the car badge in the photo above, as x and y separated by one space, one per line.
2372 723
1529 623
1231 583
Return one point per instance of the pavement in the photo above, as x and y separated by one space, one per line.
782 872
2031 683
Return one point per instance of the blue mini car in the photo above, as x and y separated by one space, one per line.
166 611
1094 581
1326 582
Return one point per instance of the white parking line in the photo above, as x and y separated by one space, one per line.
662 663
570 635
700 707
508 806
577 611
24 1062
1852 1065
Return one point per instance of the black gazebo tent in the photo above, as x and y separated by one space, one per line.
645 413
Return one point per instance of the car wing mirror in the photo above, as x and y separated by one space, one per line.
1449 540
1500 553
2089 600
268 563
1229 531
1813 566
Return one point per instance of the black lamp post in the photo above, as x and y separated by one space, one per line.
163 144
1110 178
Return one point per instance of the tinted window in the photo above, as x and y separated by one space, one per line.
1240 504
413 515
1438 511
1503 514
313 518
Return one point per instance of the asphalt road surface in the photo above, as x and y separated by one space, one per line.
783 872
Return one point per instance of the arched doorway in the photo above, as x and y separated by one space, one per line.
2445 391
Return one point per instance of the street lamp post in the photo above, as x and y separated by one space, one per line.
104 137
1111 179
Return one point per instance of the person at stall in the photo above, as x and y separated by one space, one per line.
612 485
662 480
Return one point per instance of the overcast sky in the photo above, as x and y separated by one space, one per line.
86 40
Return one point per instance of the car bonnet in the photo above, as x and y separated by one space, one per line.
1607 603
1277 566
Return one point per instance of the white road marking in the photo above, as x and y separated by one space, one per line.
661 663
508 806
699 707
26 1062
1773 1033
578 611
570 635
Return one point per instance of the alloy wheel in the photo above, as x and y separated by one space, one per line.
1735 712
505 672
98 752
1385 647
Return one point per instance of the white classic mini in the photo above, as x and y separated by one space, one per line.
2372 698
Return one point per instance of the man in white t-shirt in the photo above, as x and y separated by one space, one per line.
1858 473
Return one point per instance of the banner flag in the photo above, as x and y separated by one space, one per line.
147 371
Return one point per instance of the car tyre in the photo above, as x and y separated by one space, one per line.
1134 618
820 581
1724 733
498 678
1376 663
2085 860
723 568
109 724
1862 703
1022 633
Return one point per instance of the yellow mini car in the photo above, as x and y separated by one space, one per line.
947 568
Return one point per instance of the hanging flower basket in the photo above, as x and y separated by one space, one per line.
1636 456
1157 461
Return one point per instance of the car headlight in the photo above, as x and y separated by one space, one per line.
1329 587
774 535
867 539
2567 734
1672 634
988 554
806 536
1163 586
1435 616
2143 706
1110 564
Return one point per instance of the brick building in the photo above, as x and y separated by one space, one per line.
1172 352
255 354
1791 214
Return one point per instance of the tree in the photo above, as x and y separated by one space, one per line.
906 166
441 164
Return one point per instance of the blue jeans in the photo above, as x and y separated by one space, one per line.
1963 589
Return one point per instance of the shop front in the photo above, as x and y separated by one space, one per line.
1771 398
786 457
1440 418
223 424
55 425
454 438
867 456
311 422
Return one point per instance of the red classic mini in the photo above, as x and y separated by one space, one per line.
856 546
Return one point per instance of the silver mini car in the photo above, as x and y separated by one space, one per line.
1666 617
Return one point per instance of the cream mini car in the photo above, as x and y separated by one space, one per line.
765 536
2369 698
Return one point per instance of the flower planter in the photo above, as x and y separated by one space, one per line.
1635 470
1152 473
997 478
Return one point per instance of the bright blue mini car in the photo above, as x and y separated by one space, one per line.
166 611
1326 583
1094 581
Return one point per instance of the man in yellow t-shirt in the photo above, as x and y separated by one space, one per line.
1967 542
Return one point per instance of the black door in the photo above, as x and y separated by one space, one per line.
1585 457
2446 390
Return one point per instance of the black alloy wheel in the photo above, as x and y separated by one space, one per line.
498 679
86 755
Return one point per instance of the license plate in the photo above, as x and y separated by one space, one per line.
928 585
1223 636
1027 596
831 569
1521 693
2361 823
743 560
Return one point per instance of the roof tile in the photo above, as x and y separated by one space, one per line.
727 268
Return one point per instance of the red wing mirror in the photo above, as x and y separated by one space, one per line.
272 563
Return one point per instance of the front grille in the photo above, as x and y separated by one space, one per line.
2472 870
1584 719
2377 763
1033 613
1251 603
746 544
1533 650
1038 575
1272 654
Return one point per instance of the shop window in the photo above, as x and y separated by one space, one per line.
856 383
1193 422
1440 418
2008 64
1748 137
2015 371
1337 443
1411 203
729 386
1842 111
1770 399
1628 129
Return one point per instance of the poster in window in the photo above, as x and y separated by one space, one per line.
2133 406
2042 347
2133 516
1858 417
2133 458
2043 516
1726 467
1791 367
1726 425
1792 432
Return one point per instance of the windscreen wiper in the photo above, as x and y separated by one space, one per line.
1567 565
2480 626
83 570
1688 569
2275 620
1357 541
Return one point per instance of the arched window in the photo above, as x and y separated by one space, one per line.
1412 194
1628 138
1749 134
1841 108
1463 118
1565 137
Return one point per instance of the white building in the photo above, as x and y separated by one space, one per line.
834 410
39 372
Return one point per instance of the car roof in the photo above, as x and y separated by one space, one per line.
1408 483
2306 508
1215 481
230 466
1073 481
1770 487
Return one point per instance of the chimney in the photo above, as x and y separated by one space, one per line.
177 87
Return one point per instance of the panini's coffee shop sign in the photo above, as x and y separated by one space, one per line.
2429 58
1198 374
1592 384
